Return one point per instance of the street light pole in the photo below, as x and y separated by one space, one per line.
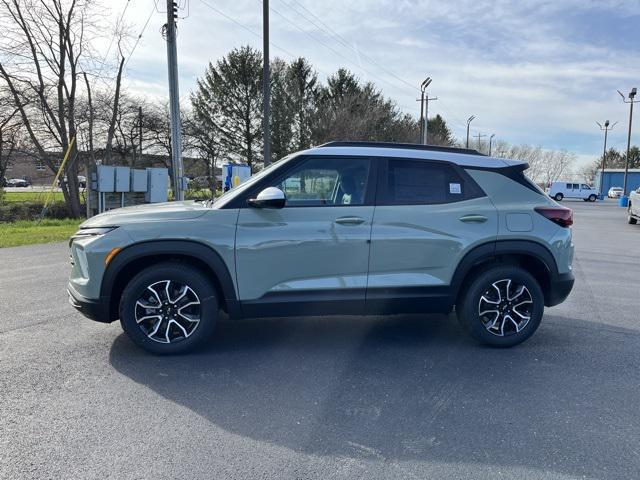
490 142
423 121
606 129
469 120
631 101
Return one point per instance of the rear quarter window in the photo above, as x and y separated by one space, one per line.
420 182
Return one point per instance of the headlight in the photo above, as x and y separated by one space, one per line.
82 261
92 232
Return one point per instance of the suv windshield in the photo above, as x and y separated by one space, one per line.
231 194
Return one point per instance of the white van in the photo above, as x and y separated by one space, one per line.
560 190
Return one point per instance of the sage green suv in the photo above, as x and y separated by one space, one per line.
346 228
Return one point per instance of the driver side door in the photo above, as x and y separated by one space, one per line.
311 256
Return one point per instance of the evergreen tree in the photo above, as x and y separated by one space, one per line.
228 99
439 132
282 111
303 92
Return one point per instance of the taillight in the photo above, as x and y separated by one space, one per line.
559 215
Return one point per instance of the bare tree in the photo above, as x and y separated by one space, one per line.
545 166
9 133
47 46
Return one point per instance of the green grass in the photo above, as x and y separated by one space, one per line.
27 232
38 197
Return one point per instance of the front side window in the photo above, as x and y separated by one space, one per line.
411 182
326 182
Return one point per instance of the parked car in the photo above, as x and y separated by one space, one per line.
82 181
18 182
633 207
562 190
345 228
615 192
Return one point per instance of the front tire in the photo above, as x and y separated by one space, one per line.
558 197
502 306
169 308
592 198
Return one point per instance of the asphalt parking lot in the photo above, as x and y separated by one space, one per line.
392 397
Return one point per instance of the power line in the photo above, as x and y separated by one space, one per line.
454 120
115 34
140 36
321 42
345 42
252 32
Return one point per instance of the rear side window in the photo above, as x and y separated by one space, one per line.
415 182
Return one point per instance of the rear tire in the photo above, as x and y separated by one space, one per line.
631 220
558 197
502 306
169 308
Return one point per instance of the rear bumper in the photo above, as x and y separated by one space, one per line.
93 309
559 289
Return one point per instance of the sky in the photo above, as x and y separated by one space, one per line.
535 72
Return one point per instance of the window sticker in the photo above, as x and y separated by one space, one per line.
455 188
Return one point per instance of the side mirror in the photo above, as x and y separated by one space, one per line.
270 197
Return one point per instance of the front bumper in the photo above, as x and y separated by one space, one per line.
559 289
93 309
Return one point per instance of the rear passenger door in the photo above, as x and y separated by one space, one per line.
428 215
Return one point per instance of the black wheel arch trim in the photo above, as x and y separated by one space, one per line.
187 248
491 250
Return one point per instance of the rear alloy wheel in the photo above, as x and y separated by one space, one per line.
559 197
502 306
169 308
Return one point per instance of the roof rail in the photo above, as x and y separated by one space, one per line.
406 146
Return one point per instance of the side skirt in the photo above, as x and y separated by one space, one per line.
350 302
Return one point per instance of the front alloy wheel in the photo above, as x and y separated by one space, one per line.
168 311
169 307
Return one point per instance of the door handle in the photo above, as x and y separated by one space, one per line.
473 218
349 220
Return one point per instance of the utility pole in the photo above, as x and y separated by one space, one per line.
140 133
426 119
479 135
631 101
174 100
266 83
606 129
469 120
490 142
423 124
